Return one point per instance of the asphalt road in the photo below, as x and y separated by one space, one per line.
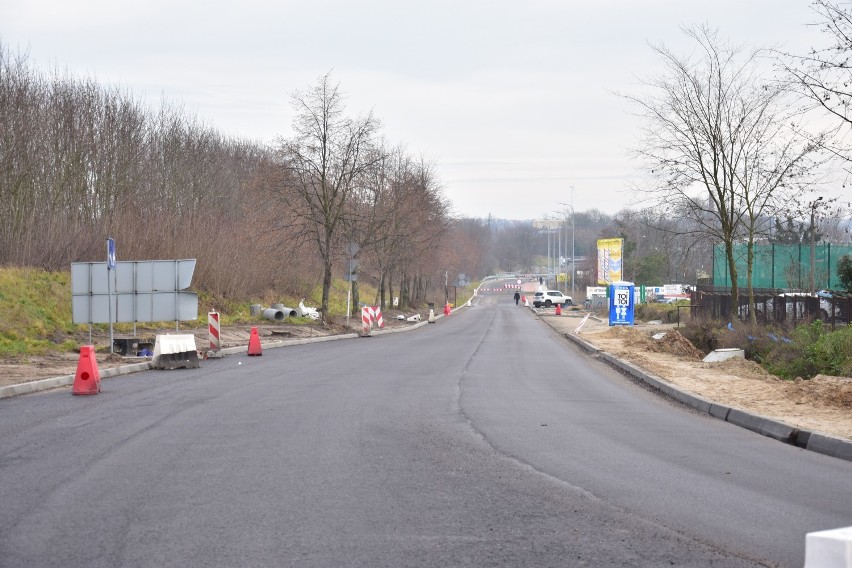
482 440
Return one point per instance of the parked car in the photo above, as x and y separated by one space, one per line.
549 298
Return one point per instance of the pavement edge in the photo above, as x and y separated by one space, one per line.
777 430
68 380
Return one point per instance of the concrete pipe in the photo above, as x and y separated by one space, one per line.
273 314
255 310
289 312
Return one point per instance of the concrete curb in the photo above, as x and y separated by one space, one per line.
68 380
813 441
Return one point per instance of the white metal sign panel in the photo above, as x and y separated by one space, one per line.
143 291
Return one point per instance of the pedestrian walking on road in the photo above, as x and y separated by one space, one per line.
517 297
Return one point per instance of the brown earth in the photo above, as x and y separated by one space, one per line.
22 369
822 404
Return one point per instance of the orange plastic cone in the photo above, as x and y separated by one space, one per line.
558 309
254 343
87 380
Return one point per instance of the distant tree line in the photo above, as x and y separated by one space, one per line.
80 162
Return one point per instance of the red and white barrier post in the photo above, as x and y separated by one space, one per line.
214 329
377 316
366 320
370 314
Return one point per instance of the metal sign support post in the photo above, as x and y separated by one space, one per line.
349 293
177 308
351 250
110 267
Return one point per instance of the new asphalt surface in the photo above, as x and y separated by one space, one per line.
483 440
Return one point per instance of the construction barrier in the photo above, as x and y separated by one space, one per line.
214 328
366 320
87 380
370 314
254 347
829 549
175 352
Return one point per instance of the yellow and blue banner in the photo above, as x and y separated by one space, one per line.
610 260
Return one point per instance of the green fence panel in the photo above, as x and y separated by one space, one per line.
782 266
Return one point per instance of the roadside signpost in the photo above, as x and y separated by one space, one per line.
621 303
110 268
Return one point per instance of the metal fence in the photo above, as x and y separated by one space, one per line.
771 306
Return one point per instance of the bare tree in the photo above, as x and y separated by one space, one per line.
715 142
823 76
325 159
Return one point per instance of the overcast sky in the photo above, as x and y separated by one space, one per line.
513 101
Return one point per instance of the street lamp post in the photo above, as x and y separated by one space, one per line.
573 271
572 243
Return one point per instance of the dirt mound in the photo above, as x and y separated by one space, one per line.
672 342
744 368
823 389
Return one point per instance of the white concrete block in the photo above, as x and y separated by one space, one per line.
829 549
724 354
175 352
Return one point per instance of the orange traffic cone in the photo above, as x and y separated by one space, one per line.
254 343
558 309
87 380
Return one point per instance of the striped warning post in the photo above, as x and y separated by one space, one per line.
377 316
367 319
213 325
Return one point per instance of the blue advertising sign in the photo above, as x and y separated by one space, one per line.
621 303
110 254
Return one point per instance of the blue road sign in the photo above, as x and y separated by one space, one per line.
110 254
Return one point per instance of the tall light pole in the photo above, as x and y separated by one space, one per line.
572 244
573 271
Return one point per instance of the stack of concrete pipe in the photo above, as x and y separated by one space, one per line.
277 312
